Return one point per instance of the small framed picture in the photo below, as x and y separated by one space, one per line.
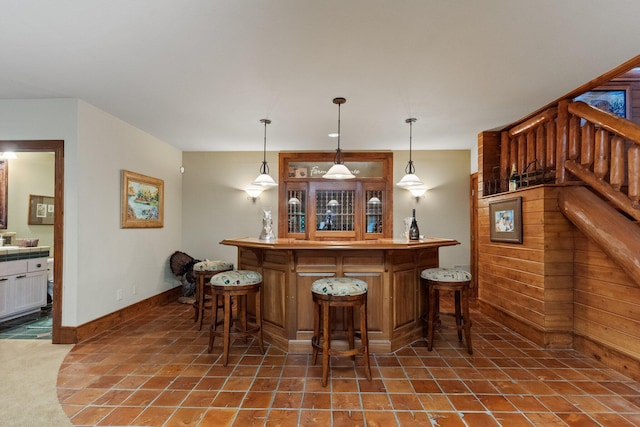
41 211
505 220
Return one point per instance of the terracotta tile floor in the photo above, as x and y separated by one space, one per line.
156 371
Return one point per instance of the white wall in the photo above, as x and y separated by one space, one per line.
443 211
216 206
215 203
99 256
30 173
113 258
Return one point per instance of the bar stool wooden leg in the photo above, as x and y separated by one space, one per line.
199 300
315 341
350 330
259 319
326 344
227 329
432 316
364 337
456 296
466 318
214 322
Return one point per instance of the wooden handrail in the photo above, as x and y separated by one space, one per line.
625 128
605 226
620 200
534 122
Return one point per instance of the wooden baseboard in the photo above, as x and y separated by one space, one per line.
74 335
543 338
614 359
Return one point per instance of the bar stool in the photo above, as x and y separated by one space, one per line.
339 292
239 284
203 271
448 279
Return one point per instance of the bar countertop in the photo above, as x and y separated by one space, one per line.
298 244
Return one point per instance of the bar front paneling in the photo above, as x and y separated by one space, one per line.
391 268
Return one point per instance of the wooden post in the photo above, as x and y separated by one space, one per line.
634 174
562 141
616 179
586 150
601 161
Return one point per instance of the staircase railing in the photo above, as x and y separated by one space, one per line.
576 143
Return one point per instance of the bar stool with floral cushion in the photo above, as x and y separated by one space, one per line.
342 292
238 284
448 279
203 272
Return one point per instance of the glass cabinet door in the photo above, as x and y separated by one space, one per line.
374 211
296 202
335 210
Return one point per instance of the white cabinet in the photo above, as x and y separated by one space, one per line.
23 287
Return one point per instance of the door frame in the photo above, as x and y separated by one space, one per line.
57 147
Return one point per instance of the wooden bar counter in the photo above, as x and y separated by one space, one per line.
391 267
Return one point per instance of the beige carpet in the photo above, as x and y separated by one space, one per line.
28 374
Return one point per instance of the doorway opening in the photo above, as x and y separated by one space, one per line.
56 147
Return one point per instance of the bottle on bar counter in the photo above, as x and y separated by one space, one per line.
414 233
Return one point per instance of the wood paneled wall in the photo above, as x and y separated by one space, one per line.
557 288
606 309
529 286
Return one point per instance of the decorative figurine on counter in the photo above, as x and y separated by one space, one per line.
267 221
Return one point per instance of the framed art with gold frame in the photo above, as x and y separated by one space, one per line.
142 204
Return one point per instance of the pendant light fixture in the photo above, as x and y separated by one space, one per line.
264 179
338 170
410 179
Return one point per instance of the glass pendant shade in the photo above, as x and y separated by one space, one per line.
338 170
264 179
410 179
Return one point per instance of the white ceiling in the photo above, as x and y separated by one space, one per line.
201 74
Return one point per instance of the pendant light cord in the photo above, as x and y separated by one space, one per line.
338 157
264 168
410 169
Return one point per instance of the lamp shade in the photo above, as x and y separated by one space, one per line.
338 171
410 180
253 192
264 180
417 191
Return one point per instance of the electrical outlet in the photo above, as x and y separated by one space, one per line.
119 294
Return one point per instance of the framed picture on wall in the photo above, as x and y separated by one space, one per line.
41 210
612 99
505 220
142 203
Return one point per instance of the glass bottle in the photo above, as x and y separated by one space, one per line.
414 233
513 178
